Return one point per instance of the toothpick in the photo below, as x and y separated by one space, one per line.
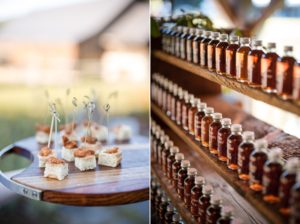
106 107
74 102
68 91
55 119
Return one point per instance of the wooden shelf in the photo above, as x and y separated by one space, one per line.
270 212
256 94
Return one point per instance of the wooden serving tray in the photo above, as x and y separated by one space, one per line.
127 183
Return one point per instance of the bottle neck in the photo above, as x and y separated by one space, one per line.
226 126
288 53
217 120
234 42
271 50
245 44
236 132
257 47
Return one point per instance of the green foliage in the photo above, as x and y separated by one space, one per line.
195 20
155 33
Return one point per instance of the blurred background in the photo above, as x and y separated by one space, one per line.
269 20
92 47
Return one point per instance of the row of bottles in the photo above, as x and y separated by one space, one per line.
262 168
238 58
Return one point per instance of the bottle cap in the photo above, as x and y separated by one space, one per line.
162 132
164 138
275 154
197 101
179 28
261 144
170 208
180 92
199 180
169 144
185 163
236 128
287 48
176 217
234 38
257 43
248 136
192 31
217 116
207 33
175 89
185 29
159 192
202 106
191 96
226 121
271 45
208 189
209 110
292 165
192 171
215 35
171 85
157 134
224 37
174 149
164 198
179 156
227 212
215 200
199 32
245 40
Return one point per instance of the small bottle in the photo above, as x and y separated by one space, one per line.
163 208
268 68
177 41
285 69
221 54
164 155
296 91
257 160
295 199
223 135
203 49
244 152
183 39
287 180
154 187
213 133
169 98
158 200
169 214
189 183
182 174
189 45
213 212
179 102
241 60
160 90
196 193
271 178
189 100
227 216
174 97
179 157
254 64
161 146
173 40
211 51
204 203
233 142
191 115
176 219
164 94
231 56
201 107
196 46
170 161
205 122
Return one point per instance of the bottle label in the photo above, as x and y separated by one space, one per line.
218 57
203 54
210 56
266 71
182 48
195 52
283 80
177 46
241 65
189 50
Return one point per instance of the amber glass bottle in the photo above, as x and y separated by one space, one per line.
221 54
159 90
178 40
245 149
205 122
179 102
191 115
157 200
183 40
231 56
155 144
204 203
174 97
182 174
213 133
163 208
154 187
169 214
233 142
165 155
198 118
165 94
203 49
257 160
213 212
268 69
196 193
176 219
169 97
173 40
241 60
175 168
188 98
160 146
189 45
196 46
271 178
254 64
189 183
295 199
211 51
296 91
223 134
170 161
285 69
227 216
287 180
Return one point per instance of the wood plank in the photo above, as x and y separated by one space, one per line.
268 211
271 99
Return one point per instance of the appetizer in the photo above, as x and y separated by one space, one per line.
89 142
122 133
85 159
56 168
110 157
42 133
44 154
69 146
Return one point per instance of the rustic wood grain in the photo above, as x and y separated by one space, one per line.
202 157
257 94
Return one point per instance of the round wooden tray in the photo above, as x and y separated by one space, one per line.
127 183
